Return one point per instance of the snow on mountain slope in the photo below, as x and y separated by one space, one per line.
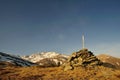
45 58
14 60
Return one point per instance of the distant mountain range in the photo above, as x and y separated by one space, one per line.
47 58
50 59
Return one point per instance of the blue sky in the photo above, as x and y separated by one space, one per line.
30 26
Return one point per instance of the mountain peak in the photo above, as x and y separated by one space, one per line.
42 57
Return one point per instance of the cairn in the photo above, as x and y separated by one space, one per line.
82 58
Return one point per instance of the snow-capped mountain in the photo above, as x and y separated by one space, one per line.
14 60
46 58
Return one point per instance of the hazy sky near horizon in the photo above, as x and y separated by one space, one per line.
30 26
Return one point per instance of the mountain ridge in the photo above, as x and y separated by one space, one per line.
51 59
56 72
4 57
46 58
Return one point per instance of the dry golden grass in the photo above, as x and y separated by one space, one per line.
56 73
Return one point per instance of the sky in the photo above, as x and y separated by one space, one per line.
31 26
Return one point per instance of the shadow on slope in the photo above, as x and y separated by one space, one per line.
109 65
110 61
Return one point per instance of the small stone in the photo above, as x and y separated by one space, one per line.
68 67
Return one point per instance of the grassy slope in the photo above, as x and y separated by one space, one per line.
56 73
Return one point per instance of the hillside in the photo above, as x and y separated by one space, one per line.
56 73
9 71
12 59
110 60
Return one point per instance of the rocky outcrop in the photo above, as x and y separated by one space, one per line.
81 58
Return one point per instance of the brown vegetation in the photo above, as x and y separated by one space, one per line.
56 73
